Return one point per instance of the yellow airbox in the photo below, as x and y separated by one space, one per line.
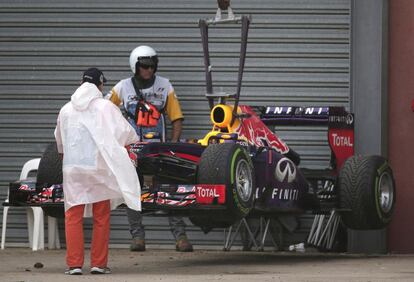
221 116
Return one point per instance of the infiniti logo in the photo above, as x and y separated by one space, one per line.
349 119
285 167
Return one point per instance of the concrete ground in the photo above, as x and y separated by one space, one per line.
17 264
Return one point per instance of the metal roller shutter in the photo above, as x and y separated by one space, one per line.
298 54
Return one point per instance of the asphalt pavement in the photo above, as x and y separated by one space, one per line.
21 264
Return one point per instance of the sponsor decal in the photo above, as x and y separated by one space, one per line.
297 111
283 194
313 111
278 110
185 189
285 170
342 140
206 194
347 119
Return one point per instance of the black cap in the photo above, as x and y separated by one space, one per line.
93 75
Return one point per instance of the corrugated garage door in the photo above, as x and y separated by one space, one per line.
298 54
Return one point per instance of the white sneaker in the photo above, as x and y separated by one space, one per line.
100 270
74 271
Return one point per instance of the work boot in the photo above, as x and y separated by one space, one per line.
137 245
183 245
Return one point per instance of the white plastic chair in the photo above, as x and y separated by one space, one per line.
35 219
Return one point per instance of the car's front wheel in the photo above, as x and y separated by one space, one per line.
229 164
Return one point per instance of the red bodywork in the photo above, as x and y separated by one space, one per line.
257 133
341 141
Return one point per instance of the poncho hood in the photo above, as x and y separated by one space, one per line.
84 95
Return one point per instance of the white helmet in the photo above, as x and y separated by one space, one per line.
144 55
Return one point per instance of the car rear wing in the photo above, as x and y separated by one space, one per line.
290 115
340 125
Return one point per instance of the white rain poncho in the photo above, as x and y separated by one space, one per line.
92 134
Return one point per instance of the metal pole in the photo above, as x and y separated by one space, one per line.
243 49
207 67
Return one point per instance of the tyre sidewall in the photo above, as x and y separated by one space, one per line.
383 168
237 204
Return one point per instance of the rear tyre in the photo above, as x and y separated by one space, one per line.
49 173
367 189
231 165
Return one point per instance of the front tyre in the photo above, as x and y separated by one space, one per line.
231 165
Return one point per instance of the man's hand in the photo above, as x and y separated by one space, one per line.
176 130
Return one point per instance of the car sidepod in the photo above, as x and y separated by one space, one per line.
281 186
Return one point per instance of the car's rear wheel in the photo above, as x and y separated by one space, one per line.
231 165
366 192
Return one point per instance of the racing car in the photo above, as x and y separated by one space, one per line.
241 167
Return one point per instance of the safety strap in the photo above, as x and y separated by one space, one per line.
139 95
138 92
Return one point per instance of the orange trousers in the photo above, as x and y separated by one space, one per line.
100 235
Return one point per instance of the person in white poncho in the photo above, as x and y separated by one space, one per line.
91 135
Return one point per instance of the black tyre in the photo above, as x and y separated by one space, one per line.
231 165
49 173
367 189
50 167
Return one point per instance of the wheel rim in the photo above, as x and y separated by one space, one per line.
386 192
243 180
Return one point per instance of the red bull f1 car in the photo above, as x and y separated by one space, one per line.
241 167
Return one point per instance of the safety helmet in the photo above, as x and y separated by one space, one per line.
143 55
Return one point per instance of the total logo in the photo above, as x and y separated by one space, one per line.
285 170
207 193
342 140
